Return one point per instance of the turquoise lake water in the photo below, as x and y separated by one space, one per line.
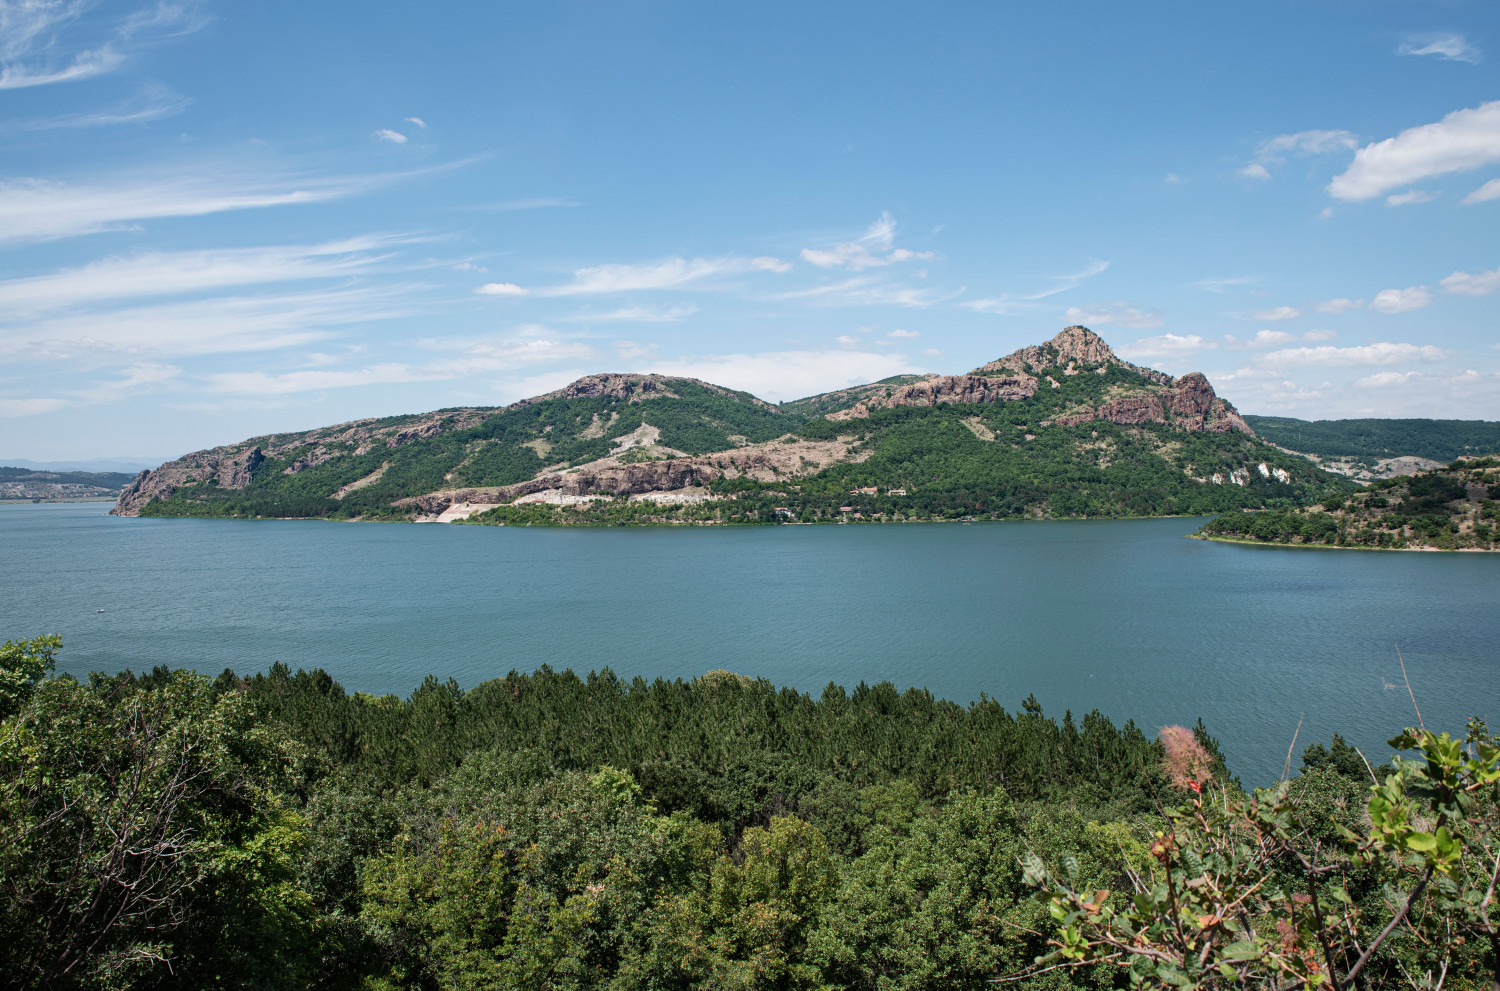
1126 617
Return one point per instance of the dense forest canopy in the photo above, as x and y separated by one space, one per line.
547 830
1440 440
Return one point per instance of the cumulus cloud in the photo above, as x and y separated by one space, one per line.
1489 191
1384 379
1116 313
669 273
1255 170
1401 300
1340 305
1463 140
1464 284
394 137
1409 197
1271 338
502 289
875 248
1277 314
1166 346
1330 356
904 334
1321 335
1450 47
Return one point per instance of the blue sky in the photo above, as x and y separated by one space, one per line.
224 220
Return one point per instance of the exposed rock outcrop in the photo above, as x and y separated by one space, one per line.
937 389
1074 349
226 467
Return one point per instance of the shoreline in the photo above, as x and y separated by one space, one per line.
1342 547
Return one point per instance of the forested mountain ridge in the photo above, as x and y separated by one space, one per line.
1373 449
1447 509
1060 429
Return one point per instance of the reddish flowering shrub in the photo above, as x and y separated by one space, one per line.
1187 763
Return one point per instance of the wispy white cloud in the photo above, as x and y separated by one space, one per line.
869 291
669 273
1277 314
30 407
1409 197
394 137
502 289
904 334
205 326
1401 300
1489 191
1015 304
1448 46
1463 140
1340 305
637 314
132 380
1072 281
528 203
875 248
1274 151
152 103
417 121
1331 356
1120 313
783 375
1320 335
37 209
1480 284
1305 143
172 273
37 47
1220 285
473 356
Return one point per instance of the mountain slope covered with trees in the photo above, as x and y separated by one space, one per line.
1061 429
1449 509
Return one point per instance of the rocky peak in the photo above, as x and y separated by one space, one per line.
1074 349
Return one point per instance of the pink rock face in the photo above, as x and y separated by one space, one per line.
959 389
1129 410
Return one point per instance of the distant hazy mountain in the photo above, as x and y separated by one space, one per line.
128 466
1060 429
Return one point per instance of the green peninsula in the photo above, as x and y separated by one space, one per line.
1057 430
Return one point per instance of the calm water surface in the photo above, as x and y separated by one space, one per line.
1122 616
